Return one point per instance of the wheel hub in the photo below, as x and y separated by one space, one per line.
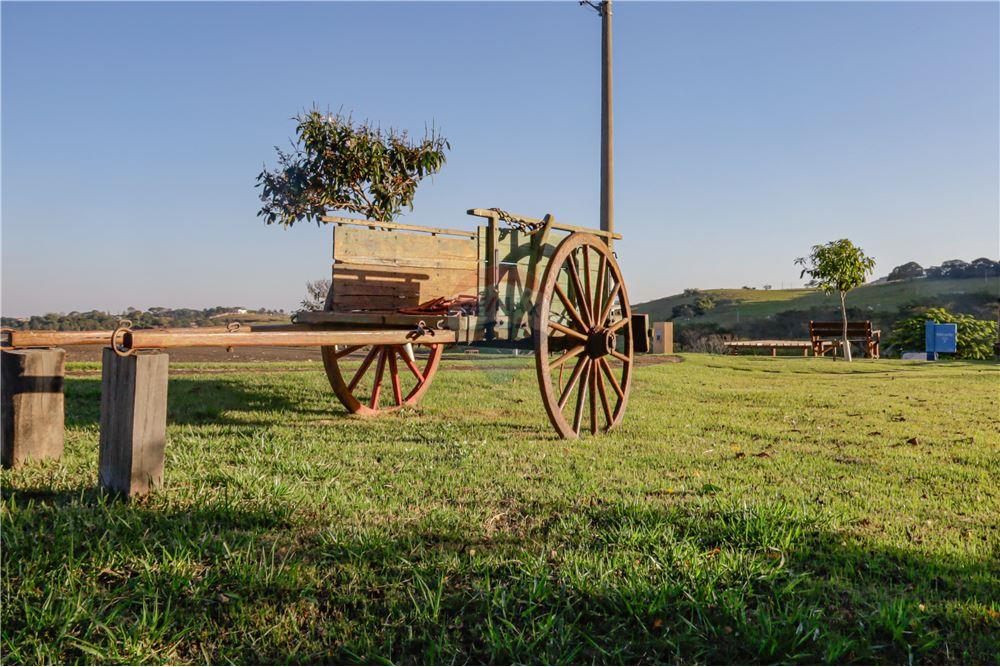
600 342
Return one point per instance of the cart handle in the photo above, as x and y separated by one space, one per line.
492 215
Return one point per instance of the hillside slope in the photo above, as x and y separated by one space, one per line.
742 306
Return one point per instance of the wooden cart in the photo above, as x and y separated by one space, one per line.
514 282
401 293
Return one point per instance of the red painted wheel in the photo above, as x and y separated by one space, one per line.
389 376
583 337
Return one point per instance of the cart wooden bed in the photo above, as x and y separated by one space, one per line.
400 293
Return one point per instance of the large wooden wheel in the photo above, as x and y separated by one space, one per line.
389 377
583 337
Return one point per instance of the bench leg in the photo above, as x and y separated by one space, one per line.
32 405
133 422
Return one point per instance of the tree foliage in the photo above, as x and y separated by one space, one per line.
975 337
837 266
908 270
338 165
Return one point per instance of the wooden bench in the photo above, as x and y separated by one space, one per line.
827 336
735 346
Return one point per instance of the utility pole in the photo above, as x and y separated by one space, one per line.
603 8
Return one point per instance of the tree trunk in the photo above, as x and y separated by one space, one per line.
847 343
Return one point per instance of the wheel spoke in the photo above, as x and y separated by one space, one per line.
410 364
362 368
599 292
591 390
569 354
619 356
570 308
611 377
604 395
588 297
578 415
581 366
347 350
606 311
566 330
581 299
377 387
397 391
618 325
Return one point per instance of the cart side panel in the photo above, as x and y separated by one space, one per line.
507 308
386 270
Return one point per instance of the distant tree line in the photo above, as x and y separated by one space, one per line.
984 267
141 319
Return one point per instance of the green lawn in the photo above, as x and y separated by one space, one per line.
750 510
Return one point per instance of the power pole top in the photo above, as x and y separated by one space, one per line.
603 8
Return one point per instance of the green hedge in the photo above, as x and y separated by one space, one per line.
975 337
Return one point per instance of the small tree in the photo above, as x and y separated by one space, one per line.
838 266
316 292
336 164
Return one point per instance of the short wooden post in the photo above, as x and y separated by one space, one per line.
32 404
133 422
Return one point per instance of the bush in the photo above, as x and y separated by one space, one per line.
683 310
704 304
975 337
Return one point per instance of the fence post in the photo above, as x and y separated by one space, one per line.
133 422
32 404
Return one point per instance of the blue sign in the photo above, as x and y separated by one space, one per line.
941 338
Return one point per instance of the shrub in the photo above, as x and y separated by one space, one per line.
975 337
683 310
704 304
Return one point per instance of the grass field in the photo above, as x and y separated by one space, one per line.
745 305
749 510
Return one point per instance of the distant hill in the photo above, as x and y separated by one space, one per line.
757 313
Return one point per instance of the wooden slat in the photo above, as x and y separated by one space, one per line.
360 245
360 286
338 220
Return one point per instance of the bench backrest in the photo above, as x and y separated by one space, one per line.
836 329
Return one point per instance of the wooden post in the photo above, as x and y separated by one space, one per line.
607 126
32 404
133 422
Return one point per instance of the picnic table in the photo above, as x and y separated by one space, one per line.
827 336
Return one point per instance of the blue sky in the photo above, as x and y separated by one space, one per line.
745 132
